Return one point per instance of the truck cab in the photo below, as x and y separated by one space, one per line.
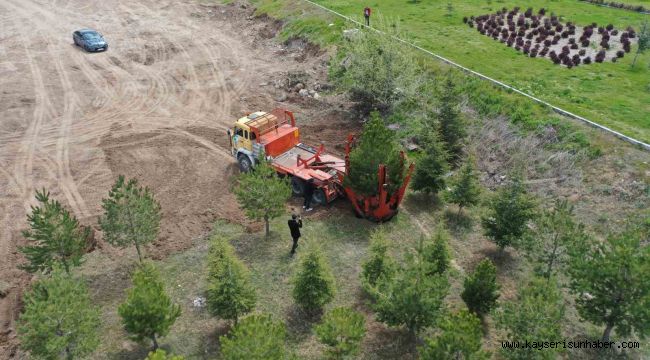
261 133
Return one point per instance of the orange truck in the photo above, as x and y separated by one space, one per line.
275 136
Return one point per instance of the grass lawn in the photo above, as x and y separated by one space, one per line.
613 94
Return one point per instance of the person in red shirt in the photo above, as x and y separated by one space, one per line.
366 14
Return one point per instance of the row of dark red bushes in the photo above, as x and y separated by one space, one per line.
637 8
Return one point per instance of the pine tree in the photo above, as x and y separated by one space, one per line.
459 338
432 167
56 234
313 284
378 264
162 355
465 191
262 193
131 215
59 320
256 337
556 235
610 280
342 329
451 126
509 213
536 314
148 312
377 145
436 252
411 298
480 289
230 293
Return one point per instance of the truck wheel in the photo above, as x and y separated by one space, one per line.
244 163
319 197
297 186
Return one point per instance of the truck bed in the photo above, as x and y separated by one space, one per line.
288 163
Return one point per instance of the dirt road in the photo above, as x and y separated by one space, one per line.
154 106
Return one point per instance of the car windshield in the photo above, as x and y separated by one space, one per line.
91 36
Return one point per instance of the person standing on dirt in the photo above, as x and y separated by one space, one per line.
295 223
366 14
309 193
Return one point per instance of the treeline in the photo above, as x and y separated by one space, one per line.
614 4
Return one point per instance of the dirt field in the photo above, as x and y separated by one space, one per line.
154 106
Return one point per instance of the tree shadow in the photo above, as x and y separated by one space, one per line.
299 323
458 222
211 343
419 202
138 352
502 259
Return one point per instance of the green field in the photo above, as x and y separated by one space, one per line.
612 94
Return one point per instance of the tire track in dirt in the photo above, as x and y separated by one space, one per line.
70 106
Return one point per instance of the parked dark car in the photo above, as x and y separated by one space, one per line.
89 40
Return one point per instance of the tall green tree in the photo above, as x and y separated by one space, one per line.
377 145
230 293
459 338
509 213
313 284
256 337
555 237
148 312
411 298
610 280
432 167
342 329
465 189
262 193
451 125
480 288
131 215
435 252
56 236
378 264
536 314
375 70
59 320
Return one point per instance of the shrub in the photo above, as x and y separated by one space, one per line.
432 167
342 329
378 264
256 337
148 312
620 53
412 298
59 319
313 283
509 213
587 60
459 338
540 303
480 288
230 293
582 52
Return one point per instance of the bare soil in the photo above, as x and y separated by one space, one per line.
155 106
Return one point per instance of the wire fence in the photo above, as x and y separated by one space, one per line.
558 110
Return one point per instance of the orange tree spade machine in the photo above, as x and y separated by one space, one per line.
275 136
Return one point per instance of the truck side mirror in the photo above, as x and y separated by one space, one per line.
228 132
